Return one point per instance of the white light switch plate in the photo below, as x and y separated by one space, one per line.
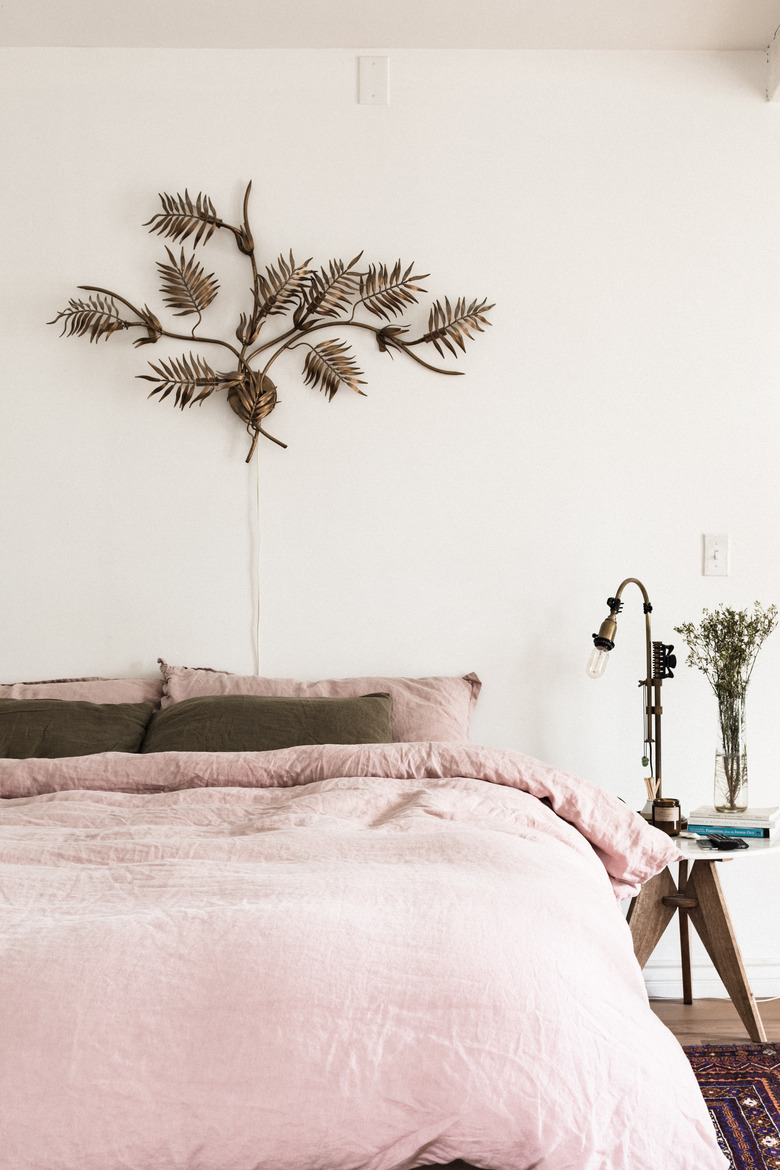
373 81
716 555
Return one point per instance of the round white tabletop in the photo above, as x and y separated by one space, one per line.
698 849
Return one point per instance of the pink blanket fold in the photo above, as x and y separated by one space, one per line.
631 851
329 958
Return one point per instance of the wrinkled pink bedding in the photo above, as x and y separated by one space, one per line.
329 958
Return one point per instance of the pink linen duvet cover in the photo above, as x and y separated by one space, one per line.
329 958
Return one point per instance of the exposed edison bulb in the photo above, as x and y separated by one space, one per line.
597 663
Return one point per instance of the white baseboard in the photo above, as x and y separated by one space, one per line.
663 980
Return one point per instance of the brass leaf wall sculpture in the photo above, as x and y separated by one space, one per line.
313 299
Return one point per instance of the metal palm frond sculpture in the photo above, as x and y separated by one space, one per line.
313 300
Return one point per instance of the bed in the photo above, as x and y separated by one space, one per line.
258 924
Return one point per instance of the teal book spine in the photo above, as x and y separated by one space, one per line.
727 830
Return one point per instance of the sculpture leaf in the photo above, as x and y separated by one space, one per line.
329 365
98 316
446 324
184 376
282 286
186 288
252 397
389 294
180 218
332 290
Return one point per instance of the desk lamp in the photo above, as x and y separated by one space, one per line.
660 664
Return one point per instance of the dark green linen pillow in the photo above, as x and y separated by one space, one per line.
262 723
53 728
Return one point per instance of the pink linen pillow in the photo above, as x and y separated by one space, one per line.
437 708
88 690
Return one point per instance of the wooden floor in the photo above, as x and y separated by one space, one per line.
714 1021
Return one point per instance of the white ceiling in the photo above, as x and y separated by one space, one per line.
376 24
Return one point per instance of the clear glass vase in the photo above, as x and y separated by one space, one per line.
731 781
731 774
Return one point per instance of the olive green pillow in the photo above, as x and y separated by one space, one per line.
51 728
261 723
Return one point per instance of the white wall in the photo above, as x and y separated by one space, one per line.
619 208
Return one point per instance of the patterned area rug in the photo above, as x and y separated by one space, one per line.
741 1085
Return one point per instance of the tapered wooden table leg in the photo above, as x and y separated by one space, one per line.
685 944
712 922
700 899
648 915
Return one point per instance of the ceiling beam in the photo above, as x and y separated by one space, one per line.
379 25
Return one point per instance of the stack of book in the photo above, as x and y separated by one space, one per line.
753 822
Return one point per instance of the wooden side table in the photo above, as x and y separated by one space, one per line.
698 897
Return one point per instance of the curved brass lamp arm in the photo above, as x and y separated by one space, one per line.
659 665
648 609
